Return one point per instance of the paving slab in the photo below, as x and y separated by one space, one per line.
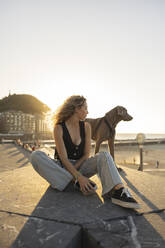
24 191
27 201
132 231
12 157
20 231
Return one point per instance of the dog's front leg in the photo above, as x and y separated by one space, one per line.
97 147
111 148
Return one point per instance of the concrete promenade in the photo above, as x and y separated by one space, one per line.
33 215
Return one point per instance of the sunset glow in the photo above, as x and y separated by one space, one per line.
112 52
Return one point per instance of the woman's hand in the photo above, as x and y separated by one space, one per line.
85 185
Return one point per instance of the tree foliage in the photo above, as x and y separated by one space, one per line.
25 103
3 127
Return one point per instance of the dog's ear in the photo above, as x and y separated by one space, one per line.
121 111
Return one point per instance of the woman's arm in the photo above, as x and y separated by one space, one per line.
87 148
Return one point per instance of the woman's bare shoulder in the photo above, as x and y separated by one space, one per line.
57 128
87 125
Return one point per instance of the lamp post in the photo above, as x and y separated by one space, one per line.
140 139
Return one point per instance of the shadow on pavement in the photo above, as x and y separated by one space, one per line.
69 220
15 154
146 200
57 220
12 151
24 164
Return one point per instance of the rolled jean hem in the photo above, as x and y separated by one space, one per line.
104 192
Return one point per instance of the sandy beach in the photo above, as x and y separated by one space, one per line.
128 155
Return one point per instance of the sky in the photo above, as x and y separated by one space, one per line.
110 51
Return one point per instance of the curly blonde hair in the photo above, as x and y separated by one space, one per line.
67 109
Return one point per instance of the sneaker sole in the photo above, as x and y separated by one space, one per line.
125 204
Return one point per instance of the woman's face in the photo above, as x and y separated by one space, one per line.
82 111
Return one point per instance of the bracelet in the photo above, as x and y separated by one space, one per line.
77 175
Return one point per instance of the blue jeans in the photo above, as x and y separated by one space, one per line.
56 174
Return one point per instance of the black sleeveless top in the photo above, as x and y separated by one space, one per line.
74 152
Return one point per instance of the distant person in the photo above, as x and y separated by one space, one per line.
157 164
72 157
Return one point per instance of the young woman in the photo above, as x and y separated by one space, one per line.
72 157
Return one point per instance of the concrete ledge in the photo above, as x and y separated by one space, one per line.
37 232
32 214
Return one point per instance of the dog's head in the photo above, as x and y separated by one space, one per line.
122 112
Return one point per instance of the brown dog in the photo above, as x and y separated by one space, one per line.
104 128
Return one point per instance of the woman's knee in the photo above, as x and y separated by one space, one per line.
35 156
104 155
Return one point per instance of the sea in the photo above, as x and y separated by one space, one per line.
125 136
132 136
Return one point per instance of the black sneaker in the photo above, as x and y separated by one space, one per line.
123 198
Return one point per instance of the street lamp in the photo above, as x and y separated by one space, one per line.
140 139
